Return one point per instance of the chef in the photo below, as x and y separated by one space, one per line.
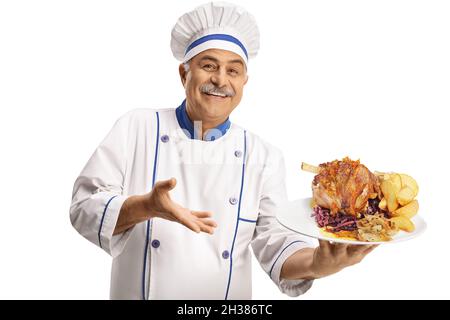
177 196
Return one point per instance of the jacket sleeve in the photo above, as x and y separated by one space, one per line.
98 191
272 243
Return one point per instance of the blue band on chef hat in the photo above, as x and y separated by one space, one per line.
218 36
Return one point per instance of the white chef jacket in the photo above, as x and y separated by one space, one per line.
238 177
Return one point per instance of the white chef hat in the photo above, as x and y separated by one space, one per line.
215 25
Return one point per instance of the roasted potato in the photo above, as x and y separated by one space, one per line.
401 187
396 181
403 223
382 205
408 211
405 196
408 181
389 190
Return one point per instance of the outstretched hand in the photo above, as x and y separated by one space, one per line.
162 206
330 257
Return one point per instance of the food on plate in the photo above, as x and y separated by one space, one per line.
403 223
409 210
344 186
350 202
405 196
383 204
390 188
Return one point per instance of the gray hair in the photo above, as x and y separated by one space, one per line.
186 66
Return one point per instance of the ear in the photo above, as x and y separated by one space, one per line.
246 79
182 73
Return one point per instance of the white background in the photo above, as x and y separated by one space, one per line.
367 79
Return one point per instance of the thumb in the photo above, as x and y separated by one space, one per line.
166 185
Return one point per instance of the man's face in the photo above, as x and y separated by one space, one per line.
214 84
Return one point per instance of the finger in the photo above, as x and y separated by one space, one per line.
202 214
370 249
325 246
361 253
357 249
207 229
166 185
209 222
191 224
339 248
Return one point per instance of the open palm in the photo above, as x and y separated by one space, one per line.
164 207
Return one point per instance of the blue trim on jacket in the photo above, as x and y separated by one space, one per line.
188 127
238 215
271 269
247 220
101 222
148 222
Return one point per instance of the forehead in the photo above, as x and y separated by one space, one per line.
222 56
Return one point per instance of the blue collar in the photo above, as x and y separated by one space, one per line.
188 127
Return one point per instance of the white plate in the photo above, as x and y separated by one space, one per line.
296 216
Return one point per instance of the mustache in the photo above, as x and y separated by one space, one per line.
210 88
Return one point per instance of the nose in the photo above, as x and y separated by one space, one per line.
219 78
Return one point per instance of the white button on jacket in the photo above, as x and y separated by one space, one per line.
238 177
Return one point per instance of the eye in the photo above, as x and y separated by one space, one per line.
209 67
233 72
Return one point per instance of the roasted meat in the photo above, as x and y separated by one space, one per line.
344 186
